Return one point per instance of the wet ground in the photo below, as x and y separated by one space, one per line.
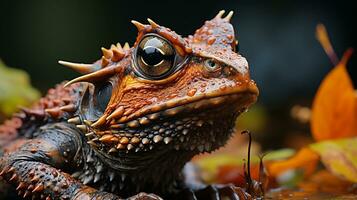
302 195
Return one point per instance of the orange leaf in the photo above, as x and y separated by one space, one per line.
235 174
305 159
334 109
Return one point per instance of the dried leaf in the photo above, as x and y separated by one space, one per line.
235 174
325 182
321 185
305 159
339 157
227 167
322 37
334 110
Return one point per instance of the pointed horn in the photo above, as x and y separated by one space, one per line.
112 47
78 67
102 120
119 46
126 46
117 55
138 25
220 14
152 23
105 61
229 16
116 114
94 76
107 53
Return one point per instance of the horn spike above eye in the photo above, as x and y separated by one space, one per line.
126 46
119 46
94 76
112 47
118 55
229 16
105 61
152 23
220 14
107 53
138 25
79 67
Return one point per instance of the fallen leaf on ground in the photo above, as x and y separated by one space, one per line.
324 181
305 159
320 185
339 157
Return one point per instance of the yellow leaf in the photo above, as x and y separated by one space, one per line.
339 157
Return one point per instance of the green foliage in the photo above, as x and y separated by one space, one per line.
254 120
15 90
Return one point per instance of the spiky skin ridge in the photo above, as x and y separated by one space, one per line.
64 147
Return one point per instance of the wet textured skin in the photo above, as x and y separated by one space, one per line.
126 129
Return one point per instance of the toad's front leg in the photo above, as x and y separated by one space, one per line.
35 169
215 192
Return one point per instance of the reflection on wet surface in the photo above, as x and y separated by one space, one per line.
303 195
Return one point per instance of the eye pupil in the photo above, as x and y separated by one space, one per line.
155 57
211 64
152 55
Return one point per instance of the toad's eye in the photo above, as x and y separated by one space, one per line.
155 57
211 65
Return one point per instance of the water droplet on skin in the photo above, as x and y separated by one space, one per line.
230 37
211 40
192 92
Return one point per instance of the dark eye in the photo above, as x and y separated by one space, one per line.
211 65
104 93
155 56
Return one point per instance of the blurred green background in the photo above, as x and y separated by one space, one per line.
277 37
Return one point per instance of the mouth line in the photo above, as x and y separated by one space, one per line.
176 107
178 125
181 134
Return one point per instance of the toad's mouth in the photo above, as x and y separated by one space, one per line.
196 104
183 126
237 102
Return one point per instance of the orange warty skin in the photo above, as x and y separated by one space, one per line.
130 123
